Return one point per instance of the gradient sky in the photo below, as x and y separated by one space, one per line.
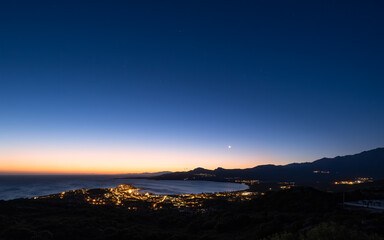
132 86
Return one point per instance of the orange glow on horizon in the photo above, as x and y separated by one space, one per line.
117 161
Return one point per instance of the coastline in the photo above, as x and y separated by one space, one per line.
29 187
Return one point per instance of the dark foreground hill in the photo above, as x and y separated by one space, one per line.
365 164
298 213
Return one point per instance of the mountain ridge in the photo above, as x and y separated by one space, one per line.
364 164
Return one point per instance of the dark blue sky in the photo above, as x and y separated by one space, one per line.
284 80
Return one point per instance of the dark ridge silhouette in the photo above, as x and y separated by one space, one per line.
299 213
364 164
141 175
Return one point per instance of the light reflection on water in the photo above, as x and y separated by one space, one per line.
12 187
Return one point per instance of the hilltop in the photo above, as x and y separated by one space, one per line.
367 164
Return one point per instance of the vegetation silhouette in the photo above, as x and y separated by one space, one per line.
298 213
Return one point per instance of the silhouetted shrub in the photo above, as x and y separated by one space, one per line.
332 231
18 233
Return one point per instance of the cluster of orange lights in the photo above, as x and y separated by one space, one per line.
248 182
322 172
130 198
357 181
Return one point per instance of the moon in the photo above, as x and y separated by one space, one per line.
229 146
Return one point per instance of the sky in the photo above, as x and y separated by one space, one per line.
145 86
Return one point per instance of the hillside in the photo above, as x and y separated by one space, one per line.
365 164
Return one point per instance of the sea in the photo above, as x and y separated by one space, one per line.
27 186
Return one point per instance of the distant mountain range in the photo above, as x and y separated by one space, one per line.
141 175
368 164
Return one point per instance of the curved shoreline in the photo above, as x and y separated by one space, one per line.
30 187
